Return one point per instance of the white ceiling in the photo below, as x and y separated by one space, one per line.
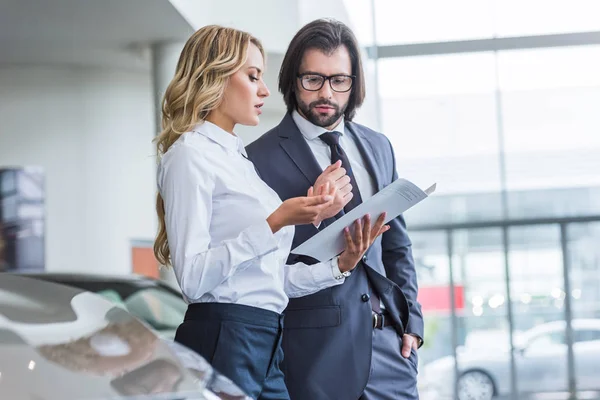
97 33
274 22
115 33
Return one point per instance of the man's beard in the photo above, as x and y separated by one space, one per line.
324 121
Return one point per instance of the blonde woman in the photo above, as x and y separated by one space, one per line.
226 233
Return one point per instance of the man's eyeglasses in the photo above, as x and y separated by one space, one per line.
338 83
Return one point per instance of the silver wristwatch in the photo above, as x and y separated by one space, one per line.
337 274
342 275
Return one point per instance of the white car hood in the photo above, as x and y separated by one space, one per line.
60 343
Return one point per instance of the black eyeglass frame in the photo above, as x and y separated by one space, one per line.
327 78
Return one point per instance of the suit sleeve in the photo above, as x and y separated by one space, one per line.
400 266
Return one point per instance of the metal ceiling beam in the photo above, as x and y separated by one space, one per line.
482 45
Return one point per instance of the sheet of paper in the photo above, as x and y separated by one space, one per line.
394 199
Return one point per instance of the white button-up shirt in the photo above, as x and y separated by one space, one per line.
222 248
322 152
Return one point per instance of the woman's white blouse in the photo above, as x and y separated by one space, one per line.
222 248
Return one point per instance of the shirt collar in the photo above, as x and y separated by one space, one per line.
311 131
221 137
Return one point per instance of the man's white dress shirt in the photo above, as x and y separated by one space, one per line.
322 152
222 248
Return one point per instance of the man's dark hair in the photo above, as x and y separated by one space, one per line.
326 35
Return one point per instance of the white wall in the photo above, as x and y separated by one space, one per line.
91 131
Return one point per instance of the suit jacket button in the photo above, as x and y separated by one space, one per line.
365 297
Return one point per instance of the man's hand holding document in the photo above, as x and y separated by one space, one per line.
393 200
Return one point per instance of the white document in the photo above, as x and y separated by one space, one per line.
394 199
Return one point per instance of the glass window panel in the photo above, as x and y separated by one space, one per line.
439 113
549 68
425 76
538 296
586 335
541 342
569 202
542 17
478 260
550 116
432 264
403 21
584 272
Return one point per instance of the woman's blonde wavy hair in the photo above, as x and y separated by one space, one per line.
208 59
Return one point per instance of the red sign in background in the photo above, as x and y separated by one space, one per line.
437 298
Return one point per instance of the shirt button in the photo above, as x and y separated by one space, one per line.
364 258
365 297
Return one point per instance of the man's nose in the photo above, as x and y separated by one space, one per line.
325 91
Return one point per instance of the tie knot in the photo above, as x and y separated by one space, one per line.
331 138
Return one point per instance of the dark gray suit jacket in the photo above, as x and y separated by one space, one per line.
327 339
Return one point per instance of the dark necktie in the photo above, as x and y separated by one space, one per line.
337 153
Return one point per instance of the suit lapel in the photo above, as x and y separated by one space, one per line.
293 143
295 146
367 152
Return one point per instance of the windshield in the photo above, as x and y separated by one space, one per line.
159 308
